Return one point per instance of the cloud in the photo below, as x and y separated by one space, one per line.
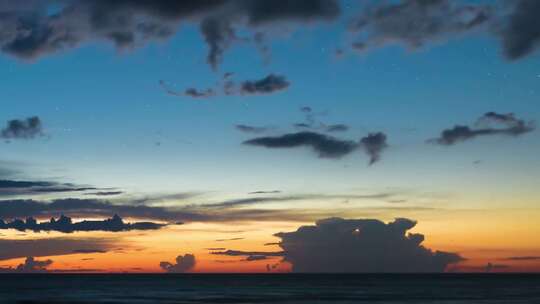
12 249
64 224
523 258
30 265
105 193
267 85
337 128
30 31
192 92
183 264
18 187
361 245
231 239
520 35
28 128
251 129
325 146
415 23
265 192
374 144
511 126
248 253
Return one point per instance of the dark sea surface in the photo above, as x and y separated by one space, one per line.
273 288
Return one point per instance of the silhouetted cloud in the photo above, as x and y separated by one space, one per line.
231 239
337 128
415 23
31 30
325 146
64 224
12 249
192 92
20 187
22 128
269 84
265 192
30 265
520 34
523 258
183 264
511 126
361 245
374 144
251 129
105 193
248 253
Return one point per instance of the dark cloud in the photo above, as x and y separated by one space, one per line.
521 32
192 92
219 34
325 146
374 144
64 224
30 265
183 264
231 239
88 208
265 192
256 258
30 31
28 128
248 253
12 249
251 129
269 84
20 187
415 23
337 128
105 193
511 126
523 258
364 245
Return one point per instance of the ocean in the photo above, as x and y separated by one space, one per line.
270 288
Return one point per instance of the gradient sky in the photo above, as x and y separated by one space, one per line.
109 121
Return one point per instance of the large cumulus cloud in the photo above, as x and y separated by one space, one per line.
361 245
183 264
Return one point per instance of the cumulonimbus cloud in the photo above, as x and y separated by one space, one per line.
489 124
361 245
28 128
183 264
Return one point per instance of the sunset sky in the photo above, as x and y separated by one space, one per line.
223 123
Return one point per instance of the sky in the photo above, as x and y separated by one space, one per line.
258 136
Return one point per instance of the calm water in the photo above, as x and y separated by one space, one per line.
315 288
